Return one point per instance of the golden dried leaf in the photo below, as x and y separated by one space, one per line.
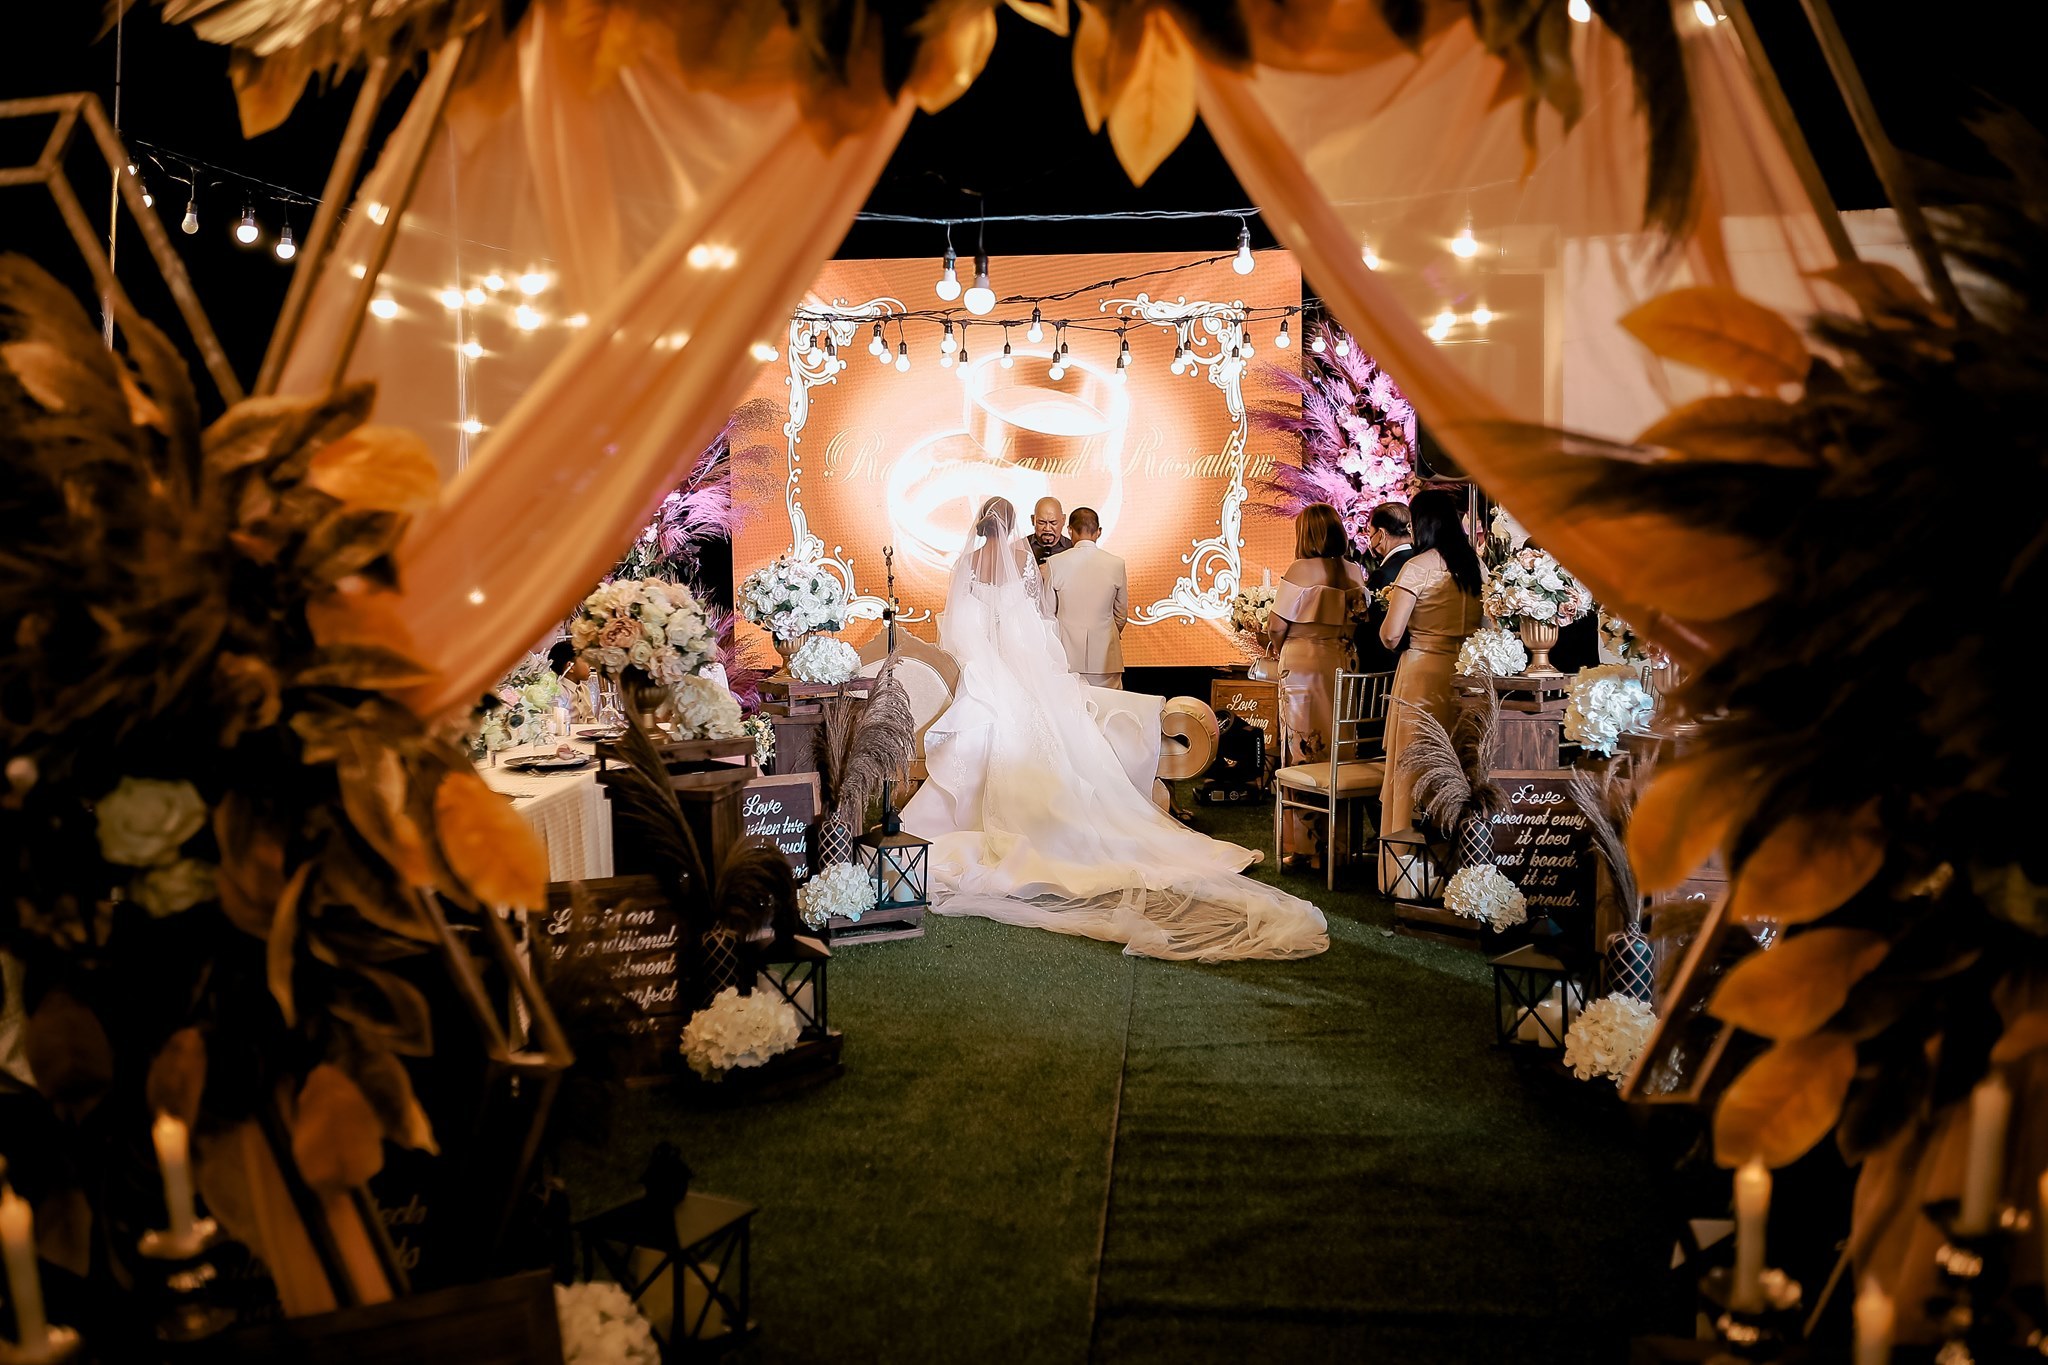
1050 15
1682 819
267 89
1785 1101
273 431
1882 292
336 1138
281 941
177 1078
357 613
1689 573
52 376
2023 1036
949 61
386 469
1713 328
363 667
1155 109
64 1229
488 846
1809 866
388 1087
374 793
251 877
1091 58
142 409
1743 428
1797 985
68 1054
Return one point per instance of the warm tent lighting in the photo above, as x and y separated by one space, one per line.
576 320
474 296
532 282
1481 315
472 349
494 282
762 352
1465 246
526 318
472 427
286 248
451 297
1705 13
384 306
378 213
1243 264
948 287
1580 11
246 230
1369 256
981 299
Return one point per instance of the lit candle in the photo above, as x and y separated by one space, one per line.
1752 1207
1267 580
1990 1107
1874 1315
18 1243
173 1155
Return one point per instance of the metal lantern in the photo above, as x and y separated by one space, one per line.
1535 997
684 1258
1418 866
897 863
796 971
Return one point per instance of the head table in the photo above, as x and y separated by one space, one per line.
566 809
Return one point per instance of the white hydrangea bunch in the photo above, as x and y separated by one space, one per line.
1252 608
1530 585
788 597
1492 651
704 710
840 890
602 1326
1485 893
1605 702
737 1030
1607 1037
824 659
646 623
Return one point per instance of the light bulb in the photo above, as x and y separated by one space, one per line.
246 230
133 168
875 342
947 342
494 282
1465 246
286 248
1036 332
1481 315
945 360
1233 353
1180 363
1244 262
981 299
1437 334
384 306
1120 374
191 220
1317 344
472 427
949 278
525 318
1447 319
1248 348
763 352
1123 351
1283 341
1580 11
1369 256
1008 359
378 213
1343 346
148 199
1705 13
473 296
902 357
472 348
451 297
576 320
1058 371
532 282
883 354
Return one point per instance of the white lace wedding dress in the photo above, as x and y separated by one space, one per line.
1033 819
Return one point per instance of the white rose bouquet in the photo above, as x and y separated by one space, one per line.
704 710
1251 610
602 1326
1530 585
143 823
824 659
838 890
1485 893
1492 652
1605 702
647 624
1607 1037
787 598
762 730
737 1030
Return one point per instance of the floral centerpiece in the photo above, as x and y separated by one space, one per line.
1492 652
1605 703
645 634
1485 893
737 1030
702 709
526 698
824 659
1607 1037
762 731
602 1326
1251 613
1534 594
790 599
837 891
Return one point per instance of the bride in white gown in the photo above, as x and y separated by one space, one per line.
1033 819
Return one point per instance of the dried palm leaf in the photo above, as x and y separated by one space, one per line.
1441 789
644 801
1607 805
880 749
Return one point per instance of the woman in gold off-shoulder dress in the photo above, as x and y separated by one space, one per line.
1314 604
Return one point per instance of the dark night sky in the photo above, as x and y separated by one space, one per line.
1929 69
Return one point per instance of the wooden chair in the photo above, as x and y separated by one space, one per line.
930 676
1355 769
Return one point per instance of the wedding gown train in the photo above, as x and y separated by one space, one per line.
1033 819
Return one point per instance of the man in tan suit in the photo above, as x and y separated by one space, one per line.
1091 602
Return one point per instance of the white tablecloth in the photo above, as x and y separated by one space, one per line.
567 811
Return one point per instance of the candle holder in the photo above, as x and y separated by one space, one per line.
1978 1319
1764 1333
186 1275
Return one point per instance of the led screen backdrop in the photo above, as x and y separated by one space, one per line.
882 456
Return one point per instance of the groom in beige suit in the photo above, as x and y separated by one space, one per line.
1091 602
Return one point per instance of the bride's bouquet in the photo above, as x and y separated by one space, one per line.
1531 586
787 598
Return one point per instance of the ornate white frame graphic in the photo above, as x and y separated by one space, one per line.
1210 335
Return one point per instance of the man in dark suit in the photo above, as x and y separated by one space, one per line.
1388 536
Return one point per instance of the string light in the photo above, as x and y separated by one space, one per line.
948 286
472 349
384 306
1369 256
148 199
286 248
902 357
472 427
1180 359
1058 371
190 224
1008 360
1705 13
451 298
494 282
1343 346
1037 329
1580 11
1244 262
875 341
763 352
946 342
1317 344
532 282
576 320
1283 341
1481 315
1465 246
1123 354
525 318
1446 319
981 299
963 351
378 213
246 231
1245 345
474 296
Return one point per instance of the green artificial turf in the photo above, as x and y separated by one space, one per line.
1319 1160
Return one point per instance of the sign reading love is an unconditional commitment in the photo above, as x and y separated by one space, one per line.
625 932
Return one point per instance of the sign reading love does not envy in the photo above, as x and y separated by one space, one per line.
1541 840
783 810
626 930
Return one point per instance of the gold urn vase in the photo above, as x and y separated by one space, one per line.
1541 638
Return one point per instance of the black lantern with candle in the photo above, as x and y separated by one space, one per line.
1535 998
896 862
1417 865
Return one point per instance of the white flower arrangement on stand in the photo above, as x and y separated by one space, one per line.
1607 1037
647 624
1605 703
1531 586
837 891
1485 893
763 731
787 597
824 659
1251 609
602 1326
705 710
1492 652
737 1030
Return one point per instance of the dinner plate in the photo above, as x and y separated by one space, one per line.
601 732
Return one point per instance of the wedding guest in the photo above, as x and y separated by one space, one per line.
1314 604
1434 601
575 676
1388 537
1045 540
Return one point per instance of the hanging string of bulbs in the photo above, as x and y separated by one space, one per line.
194 172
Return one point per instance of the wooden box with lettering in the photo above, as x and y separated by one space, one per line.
783 810
1255 701
622 932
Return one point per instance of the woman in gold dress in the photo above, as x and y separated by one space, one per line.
1435 602
1313 606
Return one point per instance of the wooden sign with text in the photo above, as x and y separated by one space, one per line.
1541 841
628 930
1253 701
783 810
